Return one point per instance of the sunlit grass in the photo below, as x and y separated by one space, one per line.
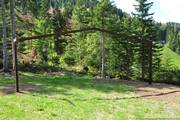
78 98
172 56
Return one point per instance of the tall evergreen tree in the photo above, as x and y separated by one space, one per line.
145 25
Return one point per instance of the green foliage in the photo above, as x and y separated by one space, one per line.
93 55
149 49
87 46
168 54
69 59
168 72
173 37
127 46
121 50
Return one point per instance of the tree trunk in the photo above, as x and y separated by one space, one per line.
4 34
143 53
13 30
103 57
150 62
102 52
143 62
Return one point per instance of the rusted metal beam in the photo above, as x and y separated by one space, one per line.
65 33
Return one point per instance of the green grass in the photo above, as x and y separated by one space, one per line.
168 54
78 98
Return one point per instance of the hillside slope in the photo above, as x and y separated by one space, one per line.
168 54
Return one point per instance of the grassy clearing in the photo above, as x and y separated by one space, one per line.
168 54
78 98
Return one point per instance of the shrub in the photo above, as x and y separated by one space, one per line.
167 73
69 60
85 69
55 60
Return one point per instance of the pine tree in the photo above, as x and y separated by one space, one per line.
81 18
145 25
121 49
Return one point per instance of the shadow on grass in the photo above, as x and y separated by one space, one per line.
109 99
128 98
80 88
64 85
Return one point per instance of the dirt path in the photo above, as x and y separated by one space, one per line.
10 89
157 91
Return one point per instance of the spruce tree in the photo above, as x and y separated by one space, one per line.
145 25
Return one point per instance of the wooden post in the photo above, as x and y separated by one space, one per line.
16 64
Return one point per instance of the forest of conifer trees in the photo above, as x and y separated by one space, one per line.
134 52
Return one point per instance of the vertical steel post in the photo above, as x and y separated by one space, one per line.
16 64
14 44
